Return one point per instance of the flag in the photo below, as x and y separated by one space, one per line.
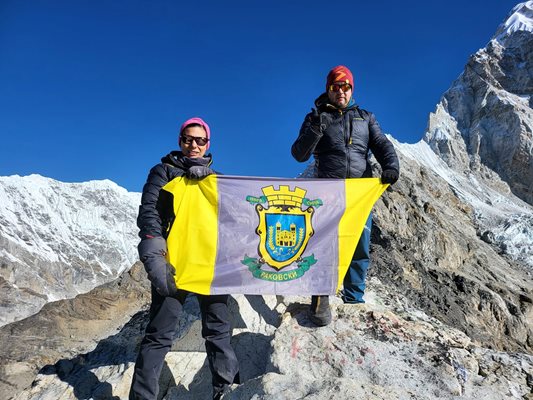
253 235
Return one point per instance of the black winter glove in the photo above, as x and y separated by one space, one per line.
198 172
160 273
389 176
320 120
315 117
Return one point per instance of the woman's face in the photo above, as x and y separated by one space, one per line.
189 147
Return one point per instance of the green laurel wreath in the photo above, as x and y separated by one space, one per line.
254 266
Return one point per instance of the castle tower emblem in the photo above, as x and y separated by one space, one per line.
284 227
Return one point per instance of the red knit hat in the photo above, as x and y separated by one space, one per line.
339 74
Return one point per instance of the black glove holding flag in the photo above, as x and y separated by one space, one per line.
389 176
198 172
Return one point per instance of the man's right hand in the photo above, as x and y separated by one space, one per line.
320 120
315 117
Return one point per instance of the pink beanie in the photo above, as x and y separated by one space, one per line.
199 121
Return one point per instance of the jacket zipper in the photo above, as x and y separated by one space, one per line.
347 141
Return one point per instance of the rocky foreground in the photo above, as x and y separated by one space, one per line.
385 349
68 328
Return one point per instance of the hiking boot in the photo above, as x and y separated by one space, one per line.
319 312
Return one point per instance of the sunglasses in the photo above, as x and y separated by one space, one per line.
340 86
200 141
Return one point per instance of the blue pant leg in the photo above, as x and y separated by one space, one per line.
216 330
354 281
157 341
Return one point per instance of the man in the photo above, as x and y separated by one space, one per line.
341 135
156 216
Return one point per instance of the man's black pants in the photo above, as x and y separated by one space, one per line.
164 314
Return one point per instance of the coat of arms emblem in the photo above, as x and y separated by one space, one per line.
284 231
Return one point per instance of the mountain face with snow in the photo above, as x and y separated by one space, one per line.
483 123
61 239
482 129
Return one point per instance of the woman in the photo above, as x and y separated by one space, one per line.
154 221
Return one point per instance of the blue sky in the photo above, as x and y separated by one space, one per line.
96 89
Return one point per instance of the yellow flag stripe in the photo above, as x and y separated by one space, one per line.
193 244
362 192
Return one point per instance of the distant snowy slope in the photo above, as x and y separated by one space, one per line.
501 218
59 239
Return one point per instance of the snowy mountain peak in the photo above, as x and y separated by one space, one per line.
59 239
482 125
520 19
481 134
35 207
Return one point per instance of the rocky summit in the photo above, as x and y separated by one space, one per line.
484 122
449 304
385 349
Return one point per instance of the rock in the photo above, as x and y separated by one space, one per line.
66 328
372 352
382 349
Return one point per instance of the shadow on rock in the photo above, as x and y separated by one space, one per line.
253 352
116 351
300 312
271 317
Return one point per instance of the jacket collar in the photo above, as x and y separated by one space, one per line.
322 104
178 160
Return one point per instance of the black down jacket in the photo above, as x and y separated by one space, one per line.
342 140
156 215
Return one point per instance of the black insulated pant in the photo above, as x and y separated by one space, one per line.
164 314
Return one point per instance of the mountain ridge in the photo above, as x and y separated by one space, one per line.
74 235
483 122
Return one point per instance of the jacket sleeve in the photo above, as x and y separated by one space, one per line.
381 146
153 246
307 140
149 219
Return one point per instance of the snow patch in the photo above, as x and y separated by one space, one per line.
520 19
507 219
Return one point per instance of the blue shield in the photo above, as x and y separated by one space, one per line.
285 235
